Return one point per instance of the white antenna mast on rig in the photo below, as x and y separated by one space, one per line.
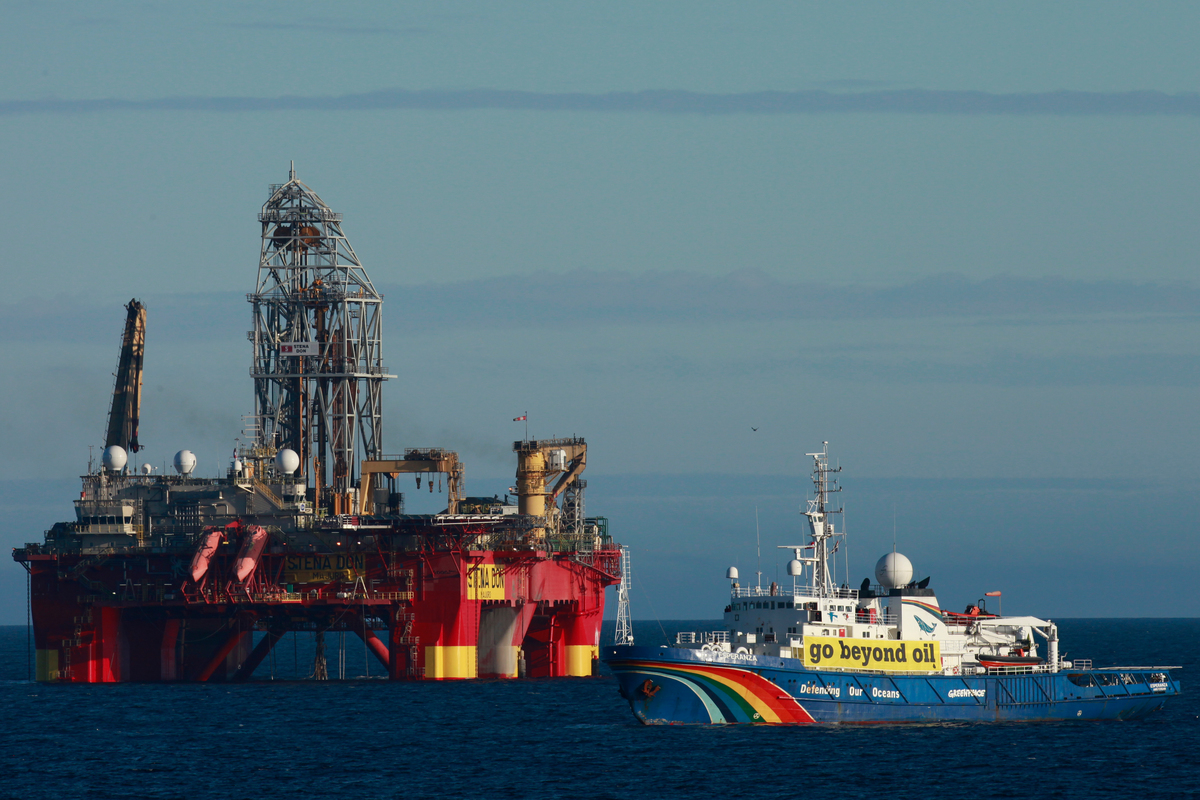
624 633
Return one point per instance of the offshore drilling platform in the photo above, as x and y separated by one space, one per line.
181 578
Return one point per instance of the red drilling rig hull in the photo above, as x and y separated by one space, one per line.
432 614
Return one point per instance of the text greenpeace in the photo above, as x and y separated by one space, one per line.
956 693
888 655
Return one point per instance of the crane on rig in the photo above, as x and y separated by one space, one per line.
127 389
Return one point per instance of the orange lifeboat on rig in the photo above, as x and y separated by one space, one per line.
253 543
209 541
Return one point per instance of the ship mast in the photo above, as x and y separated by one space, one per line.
819 522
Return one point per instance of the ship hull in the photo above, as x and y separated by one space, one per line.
667 686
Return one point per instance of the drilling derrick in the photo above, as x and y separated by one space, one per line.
318 363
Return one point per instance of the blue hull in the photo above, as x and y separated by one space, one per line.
682 686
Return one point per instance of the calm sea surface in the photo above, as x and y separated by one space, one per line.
366 738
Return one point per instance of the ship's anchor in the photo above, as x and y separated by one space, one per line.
649 689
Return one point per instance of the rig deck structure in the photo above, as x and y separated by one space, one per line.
182 578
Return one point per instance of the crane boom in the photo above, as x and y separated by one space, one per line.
127 390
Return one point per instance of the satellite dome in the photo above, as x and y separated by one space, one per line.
287 461
147 469
893 571
185 462
114 458
795 568
237 465
731 574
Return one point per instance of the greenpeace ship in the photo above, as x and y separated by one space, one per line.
177 577
817 652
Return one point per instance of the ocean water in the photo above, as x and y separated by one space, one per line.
571 738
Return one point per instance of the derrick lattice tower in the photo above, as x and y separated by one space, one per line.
318 362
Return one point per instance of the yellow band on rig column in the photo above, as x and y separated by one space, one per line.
579 659
451 661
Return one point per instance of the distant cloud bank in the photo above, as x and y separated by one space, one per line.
584 298
666 101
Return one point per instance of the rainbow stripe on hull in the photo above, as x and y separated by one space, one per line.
685 686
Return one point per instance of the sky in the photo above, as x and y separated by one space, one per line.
954 240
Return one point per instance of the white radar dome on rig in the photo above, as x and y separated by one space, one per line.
287 460
731 574
893 571
185 462
114 458
147 469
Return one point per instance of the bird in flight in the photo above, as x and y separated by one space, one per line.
753 428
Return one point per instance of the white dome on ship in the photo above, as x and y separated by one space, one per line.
287 460
795 568
185 462
114 458
893 571
147 469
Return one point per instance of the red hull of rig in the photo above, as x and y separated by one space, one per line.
439 613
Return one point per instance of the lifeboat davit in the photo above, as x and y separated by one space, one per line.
204 553
254 541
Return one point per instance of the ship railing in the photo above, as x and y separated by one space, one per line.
702 637
780 591
1030 669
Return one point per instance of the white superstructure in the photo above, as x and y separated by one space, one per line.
787 621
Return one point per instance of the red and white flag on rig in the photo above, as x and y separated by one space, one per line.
991 594
521 418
